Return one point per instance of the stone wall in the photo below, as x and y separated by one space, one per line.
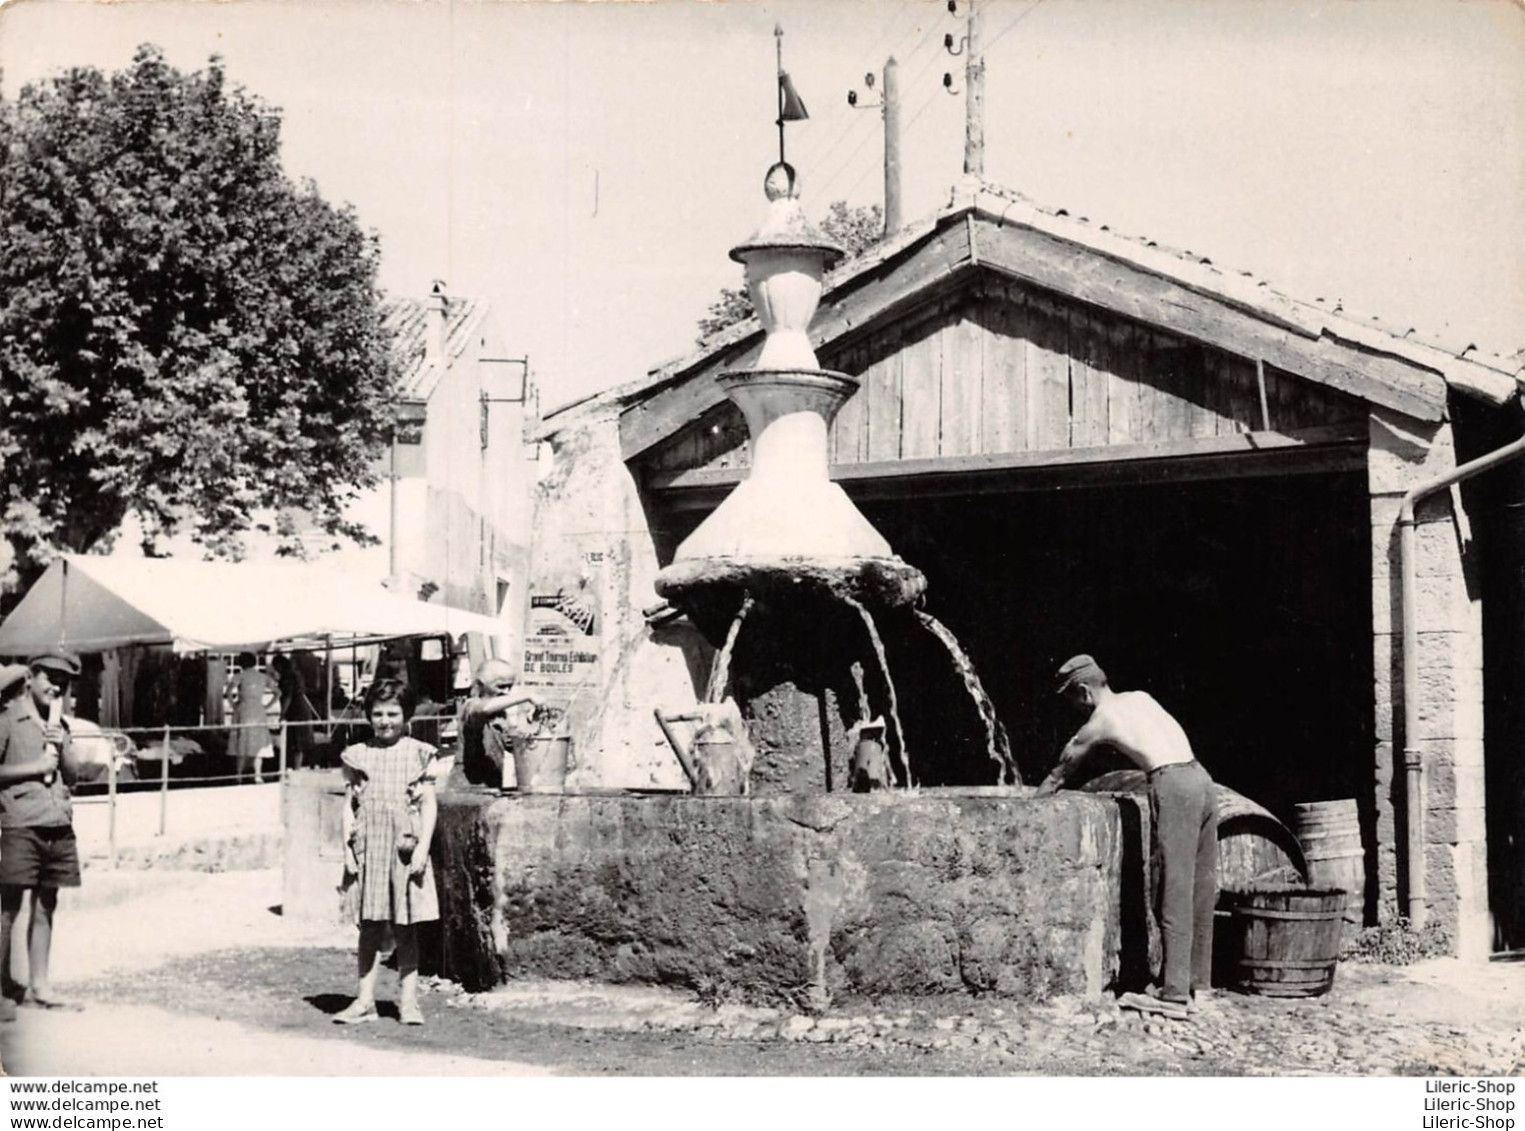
592 540
1448 614
797 898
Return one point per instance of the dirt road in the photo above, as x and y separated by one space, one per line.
199 974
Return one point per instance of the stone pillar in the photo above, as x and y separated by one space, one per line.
1448 615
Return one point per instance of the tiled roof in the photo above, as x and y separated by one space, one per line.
408 320
1461 364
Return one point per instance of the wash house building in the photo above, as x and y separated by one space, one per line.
1091 443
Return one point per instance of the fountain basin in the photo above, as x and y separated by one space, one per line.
795 898
878 582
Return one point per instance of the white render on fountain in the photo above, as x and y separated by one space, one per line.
787 508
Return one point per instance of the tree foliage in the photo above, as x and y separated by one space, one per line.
856 229
185 334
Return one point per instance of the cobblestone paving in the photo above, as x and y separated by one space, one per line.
1361 1029
212 948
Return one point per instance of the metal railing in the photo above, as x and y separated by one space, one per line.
159 747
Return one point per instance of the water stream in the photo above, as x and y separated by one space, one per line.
996 743
884 666
721 671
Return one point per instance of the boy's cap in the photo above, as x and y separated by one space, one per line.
12 674
1073 670
61 662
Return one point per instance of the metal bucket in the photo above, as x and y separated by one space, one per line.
541 764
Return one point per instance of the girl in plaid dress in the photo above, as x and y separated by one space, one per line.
389 820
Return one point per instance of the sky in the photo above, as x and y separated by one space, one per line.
585 167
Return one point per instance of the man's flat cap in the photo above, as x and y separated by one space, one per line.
61 662
1074 670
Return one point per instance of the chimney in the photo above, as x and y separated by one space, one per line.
434 325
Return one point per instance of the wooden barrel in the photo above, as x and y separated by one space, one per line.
1285 942
1254 848
1330 833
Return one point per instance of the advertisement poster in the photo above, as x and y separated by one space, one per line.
561 648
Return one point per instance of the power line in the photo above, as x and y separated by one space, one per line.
825 151
926 67
837 166
1019 18
852 188
846 163
840 168
925 106
912 29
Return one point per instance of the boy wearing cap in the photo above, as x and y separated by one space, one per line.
1183 807
37 847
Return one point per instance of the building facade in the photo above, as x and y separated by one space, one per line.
1090 443
452 510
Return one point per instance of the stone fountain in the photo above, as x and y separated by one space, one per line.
801 890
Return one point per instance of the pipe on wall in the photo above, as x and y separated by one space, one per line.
1413 761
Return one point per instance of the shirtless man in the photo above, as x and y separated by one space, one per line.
1184 816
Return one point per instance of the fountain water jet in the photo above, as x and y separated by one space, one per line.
997 744
720 673
884 668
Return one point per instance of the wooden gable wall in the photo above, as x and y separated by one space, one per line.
999 367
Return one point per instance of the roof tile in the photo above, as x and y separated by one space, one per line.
407 318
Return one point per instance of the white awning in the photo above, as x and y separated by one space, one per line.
90 604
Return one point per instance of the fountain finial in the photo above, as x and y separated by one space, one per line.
780 181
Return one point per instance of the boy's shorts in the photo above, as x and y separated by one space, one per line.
39 857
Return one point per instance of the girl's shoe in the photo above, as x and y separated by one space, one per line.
409 1013
46 1000
356 1012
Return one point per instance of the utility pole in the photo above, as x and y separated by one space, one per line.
891 147
974 108
889 107
974 88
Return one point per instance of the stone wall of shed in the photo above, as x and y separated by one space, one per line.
1448 612
592 538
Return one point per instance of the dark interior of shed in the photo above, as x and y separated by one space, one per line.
1243 605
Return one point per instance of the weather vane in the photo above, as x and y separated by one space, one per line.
791 108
